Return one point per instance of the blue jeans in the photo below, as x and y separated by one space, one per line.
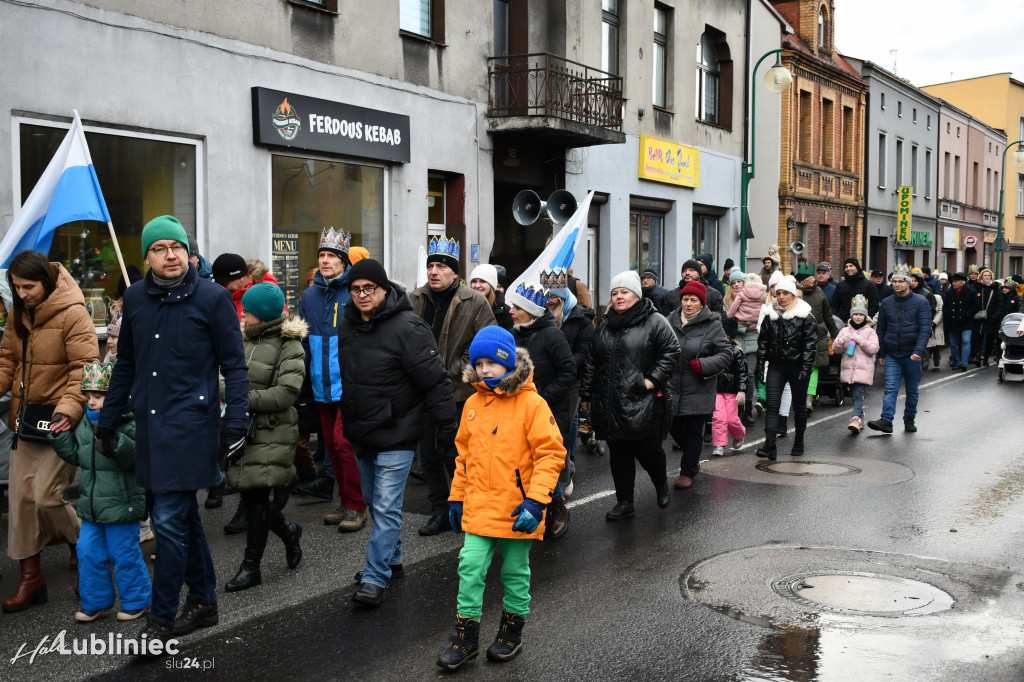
857 393
910 372
103 544
383 480
182 555
960 347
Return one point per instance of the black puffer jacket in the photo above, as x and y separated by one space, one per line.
850 287
701 339
393 377
733 378
789 339
554 371
628 348
990 297
502 313
579 332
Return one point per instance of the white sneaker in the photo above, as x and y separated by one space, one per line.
718 451
737 443
568 490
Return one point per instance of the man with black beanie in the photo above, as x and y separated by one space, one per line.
854 282
691 272
455 313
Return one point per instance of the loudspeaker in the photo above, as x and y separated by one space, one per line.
527 207
798 248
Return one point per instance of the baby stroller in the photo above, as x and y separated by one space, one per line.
829 383
587 435
1011 360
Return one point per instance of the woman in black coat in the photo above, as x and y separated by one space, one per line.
629 372
985 336
786 348
703 353
577 324
554 374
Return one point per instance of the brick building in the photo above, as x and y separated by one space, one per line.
821 192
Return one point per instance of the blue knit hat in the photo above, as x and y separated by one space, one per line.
495 344
264 300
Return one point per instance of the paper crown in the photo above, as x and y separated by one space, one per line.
96 377
534 294
972 268
442 246
902 270
555 278
335 241
859 301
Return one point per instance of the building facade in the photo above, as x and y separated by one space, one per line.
821 190
901 148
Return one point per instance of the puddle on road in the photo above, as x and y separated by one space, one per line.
1006 490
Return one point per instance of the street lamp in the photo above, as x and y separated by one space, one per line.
1018 162
777 80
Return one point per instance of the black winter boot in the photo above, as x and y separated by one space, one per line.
289 534
798 444
509 641
237 524
782 430
257 529
464 644
768 449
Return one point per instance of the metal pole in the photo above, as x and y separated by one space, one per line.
747 169
1002 189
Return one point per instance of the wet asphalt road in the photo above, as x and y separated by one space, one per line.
627 600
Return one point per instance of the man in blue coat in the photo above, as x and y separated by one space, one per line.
904 326
178 333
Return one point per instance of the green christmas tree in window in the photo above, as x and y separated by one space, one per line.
87 266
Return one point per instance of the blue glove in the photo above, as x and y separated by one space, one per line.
455 516
530 513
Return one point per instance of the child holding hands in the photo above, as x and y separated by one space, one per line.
858 364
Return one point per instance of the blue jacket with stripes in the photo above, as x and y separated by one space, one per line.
323 307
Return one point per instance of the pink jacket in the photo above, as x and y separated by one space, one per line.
858 368
746 307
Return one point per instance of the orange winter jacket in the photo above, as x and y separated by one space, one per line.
504 431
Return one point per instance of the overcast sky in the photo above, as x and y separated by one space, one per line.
934 38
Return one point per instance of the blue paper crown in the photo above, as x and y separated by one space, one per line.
442 246
555 278
335 241
534 294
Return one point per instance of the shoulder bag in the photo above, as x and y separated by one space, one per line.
33 422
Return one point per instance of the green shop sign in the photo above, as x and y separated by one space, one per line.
919 239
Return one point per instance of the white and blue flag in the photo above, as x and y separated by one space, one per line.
67 191
562 250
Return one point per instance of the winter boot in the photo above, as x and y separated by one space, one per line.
289 534
255 542
237 524
509 641
782 430
558 519
464 644
31 588
798 444
214 497
768 449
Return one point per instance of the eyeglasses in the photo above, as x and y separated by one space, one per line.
363 291
161 251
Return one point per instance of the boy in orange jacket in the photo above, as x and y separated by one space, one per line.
510 455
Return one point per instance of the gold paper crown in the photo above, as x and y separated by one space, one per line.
972 268
859 301
555 278
335 241
96 377
901 269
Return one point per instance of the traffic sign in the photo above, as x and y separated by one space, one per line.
970 241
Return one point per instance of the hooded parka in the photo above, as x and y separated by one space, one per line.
508 438
268 458
322 307
789 339
702 338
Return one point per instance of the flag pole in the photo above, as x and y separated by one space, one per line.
120 258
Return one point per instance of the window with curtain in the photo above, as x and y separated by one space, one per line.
708 78
660 80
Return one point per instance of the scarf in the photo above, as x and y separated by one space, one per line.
685 319
92 415
169 284
858 326
778 308
628 317
493 382
436 309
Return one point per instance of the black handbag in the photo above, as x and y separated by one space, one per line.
33 422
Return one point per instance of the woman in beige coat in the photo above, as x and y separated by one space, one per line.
49 311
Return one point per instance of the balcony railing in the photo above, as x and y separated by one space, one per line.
544 84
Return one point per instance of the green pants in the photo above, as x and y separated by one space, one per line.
475 559
812 385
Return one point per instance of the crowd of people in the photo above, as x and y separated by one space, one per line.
475 387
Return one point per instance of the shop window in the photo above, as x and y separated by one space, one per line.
610 36
662 21
141 177
705 234
423 18
646 239
308 195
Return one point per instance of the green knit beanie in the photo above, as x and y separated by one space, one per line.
264 300
164 227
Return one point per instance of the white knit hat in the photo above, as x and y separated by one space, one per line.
787 283
627 280
487 273
753 278
774 280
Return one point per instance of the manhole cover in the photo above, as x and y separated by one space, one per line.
808 468
866 594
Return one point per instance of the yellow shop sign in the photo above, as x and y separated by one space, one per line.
663 161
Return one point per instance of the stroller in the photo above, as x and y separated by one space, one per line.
1011 360
829 383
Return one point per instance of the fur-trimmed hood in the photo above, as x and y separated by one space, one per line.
801 309
289 328
520 376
